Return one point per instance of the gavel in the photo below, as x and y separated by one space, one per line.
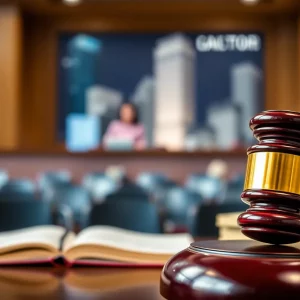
272 181
252 269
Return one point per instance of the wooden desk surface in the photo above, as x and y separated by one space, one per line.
80 283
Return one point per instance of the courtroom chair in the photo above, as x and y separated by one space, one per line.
21 214
52 177
232 207
18 189
161 191
177 207
232 192
238 179
50 180
3 177
128 191
130 188
77 199
150 180
120 197
117 173
133 215
209 188
88 179
203 224
99 185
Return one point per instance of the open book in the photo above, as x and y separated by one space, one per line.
96 245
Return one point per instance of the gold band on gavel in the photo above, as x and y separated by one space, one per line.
273 171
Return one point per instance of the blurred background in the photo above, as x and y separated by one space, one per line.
113 109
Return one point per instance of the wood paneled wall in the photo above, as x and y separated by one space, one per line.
10 73
38 84
285 65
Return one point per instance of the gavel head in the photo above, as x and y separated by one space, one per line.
272 182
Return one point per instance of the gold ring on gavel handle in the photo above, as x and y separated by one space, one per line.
275 171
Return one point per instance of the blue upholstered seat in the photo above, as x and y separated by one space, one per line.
134 215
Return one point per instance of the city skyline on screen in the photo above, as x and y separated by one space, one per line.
192 90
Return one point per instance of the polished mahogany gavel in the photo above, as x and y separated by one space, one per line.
272 182
247 269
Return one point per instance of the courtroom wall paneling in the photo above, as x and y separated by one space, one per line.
10 67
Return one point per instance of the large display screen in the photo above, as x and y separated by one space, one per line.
173 91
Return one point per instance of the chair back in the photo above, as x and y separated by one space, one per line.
161 190
99 186
77 199
149 181
17 190
48 182
209 188
53 177
177 207
232 193
3 177
238 179
204 222
129 191
128 214
88 179
21 214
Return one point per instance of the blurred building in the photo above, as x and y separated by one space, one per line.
104 102
174 65
143 98
247 93
200 139
226 123
81 66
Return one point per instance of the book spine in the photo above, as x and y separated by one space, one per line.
60 261
38 262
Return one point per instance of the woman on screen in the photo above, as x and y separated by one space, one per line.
126 132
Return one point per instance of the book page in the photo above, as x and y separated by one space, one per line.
48 236
228 220
231 234
132 241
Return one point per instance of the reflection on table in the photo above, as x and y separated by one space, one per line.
80 283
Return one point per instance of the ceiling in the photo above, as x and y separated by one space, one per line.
152 7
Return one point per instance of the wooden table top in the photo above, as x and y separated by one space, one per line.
79 283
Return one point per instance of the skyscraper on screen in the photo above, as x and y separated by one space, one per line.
174 72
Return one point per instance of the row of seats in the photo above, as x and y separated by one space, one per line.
101 185
128 214
176 207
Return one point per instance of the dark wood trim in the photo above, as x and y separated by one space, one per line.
158 7
147 153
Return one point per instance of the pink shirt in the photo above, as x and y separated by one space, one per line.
133 132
